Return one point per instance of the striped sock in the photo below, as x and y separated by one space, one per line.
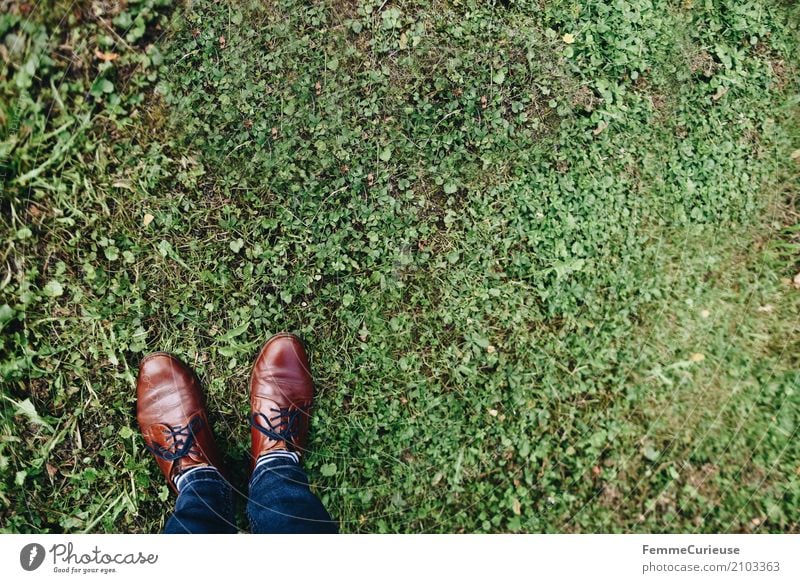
278 454
181 479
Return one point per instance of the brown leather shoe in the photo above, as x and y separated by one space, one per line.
281 395
172 416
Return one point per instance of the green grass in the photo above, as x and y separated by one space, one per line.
542 255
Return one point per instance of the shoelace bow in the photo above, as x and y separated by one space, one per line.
181 438
287 427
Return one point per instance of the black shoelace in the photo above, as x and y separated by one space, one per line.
284 426
182 439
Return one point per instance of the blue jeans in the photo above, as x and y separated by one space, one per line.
280 502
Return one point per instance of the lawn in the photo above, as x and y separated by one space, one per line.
543 254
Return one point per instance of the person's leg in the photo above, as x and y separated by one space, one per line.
204 506
176 430
281 502
281 397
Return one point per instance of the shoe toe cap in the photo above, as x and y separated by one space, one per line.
166 389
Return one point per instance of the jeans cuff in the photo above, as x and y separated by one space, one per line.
270 464
208 474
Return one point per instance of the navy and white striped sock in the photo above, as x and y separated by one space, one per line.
278 454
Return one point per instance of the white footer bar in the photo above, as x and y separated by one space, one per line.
406 558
